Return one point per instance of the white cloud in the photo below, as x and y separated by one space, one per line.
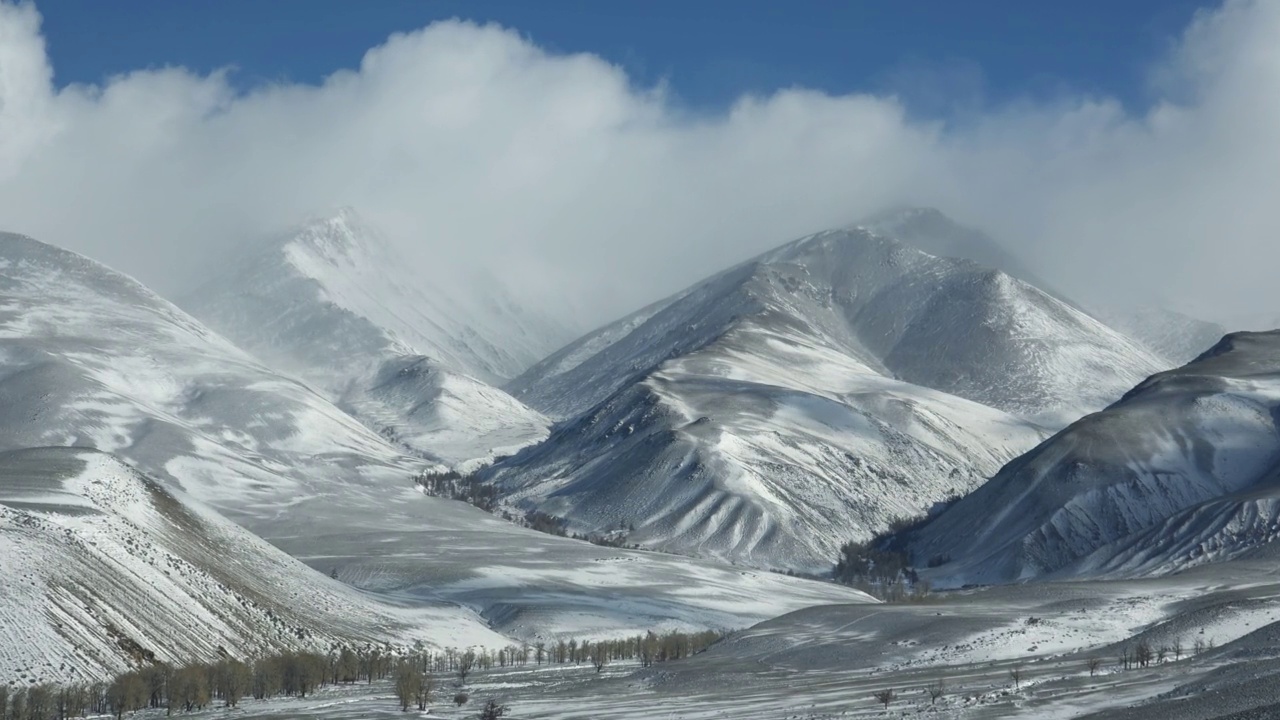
469 144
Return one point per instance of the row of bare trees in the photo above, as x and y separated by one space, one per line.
1144 654
648 649
179 689
199 685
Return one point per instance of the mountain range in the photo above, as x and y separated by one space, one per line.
758 420
807 397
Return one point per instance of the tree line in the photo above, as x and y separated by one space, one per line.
414 673
468 488
881 567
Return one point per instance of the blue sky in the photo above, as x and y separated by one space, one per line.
937 54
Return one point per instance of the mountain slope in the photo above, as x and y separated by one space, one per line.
91 358
1169 334
930 230
773 465
1183 470
422 405
333 301
808 397
104 570
943 323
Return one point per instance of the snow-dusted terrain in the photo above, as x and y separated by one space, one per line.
944 323
91 358
104 570
930 230
1214 634
336 305
457 419
334 300
808 397
1169 334
1184 470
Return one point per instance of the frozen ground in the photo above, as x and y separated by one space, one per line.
828 662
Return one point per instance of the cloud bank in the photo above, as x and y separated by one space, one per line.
471 145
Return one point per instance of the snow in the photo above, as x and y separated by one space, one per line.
1179 472
454 418
90 358
93 552
335 304
806 398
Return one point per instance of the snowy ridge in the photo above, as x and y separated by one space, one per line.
943 323
930 230
333 301
105 571
808 397
1169 334
459 420
1181 471
91 358
334 304
775 466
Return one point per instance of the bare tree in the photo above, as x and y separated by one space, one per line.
884 697
1016 675
466 662
599 655
1144 655
1177 648
461 699
408 684
1094 663
936 690
424 690
233 680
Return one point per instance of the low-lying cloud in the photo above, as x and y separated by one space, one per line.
469 144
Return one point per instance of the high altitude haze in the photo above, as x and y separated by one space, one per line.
471 144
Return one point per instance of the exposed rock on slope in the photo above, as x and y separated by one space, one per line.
1183 470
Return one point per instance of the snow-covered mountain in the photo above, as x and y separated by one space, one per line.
1167 333
930 230
92 359
336 305
461 421
1183 470
104 570
89 357
945 323
808 397
333 301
